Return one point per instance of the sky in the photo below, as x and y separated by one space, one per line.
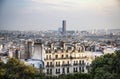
48 14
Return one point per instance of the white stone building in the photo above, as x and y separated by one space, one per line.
65 58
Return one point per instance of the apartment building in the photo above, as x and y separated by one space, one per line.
64 58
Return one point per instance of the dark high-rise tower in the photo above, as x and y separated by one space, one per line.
64 26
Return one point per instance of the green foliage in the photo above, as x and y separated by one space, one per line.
2 70
106 67
77 75
15 69
82 76
72 76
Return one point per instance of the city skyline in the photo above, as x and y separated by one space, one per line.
47 14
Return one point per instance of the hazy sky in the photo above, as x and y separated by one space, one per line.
48 14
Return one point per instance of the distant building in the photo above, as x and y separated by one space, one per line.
60 30
64 26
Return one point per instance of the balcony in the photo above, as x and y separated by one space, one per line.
57 65
82 64
75 64
48 59
66 65
78 57
58 72
49 65
60 58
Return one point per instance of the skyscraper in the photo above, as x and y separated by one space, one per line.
64 26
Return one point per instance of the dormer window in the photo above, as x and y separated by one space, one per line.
66 56
62 56
56 56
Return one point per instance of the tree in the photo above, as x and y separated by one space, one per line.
80 75
15 69
77 75
116 65
2 70
106 67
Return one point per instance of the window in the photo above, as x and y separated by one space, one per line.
62 56
83 62
59 63
62 50
80 62
68 62
55 50
56 63
46 51
73 69
67 50
56 56
63 62
47 63
47 71
66 56
63 70
79 69
49 51
76 69
50 71
79 50
68 70
82 69
56 71
59 70
49 56
50 63
77 62
74 62
46 56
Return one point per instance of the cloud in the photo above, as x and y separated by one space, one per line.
53 1
77 5
52 5
48 1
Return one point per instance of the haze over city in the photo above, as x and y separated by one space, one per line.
48 14
59 39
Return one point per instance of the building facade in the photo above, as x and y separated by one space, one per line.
65 58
